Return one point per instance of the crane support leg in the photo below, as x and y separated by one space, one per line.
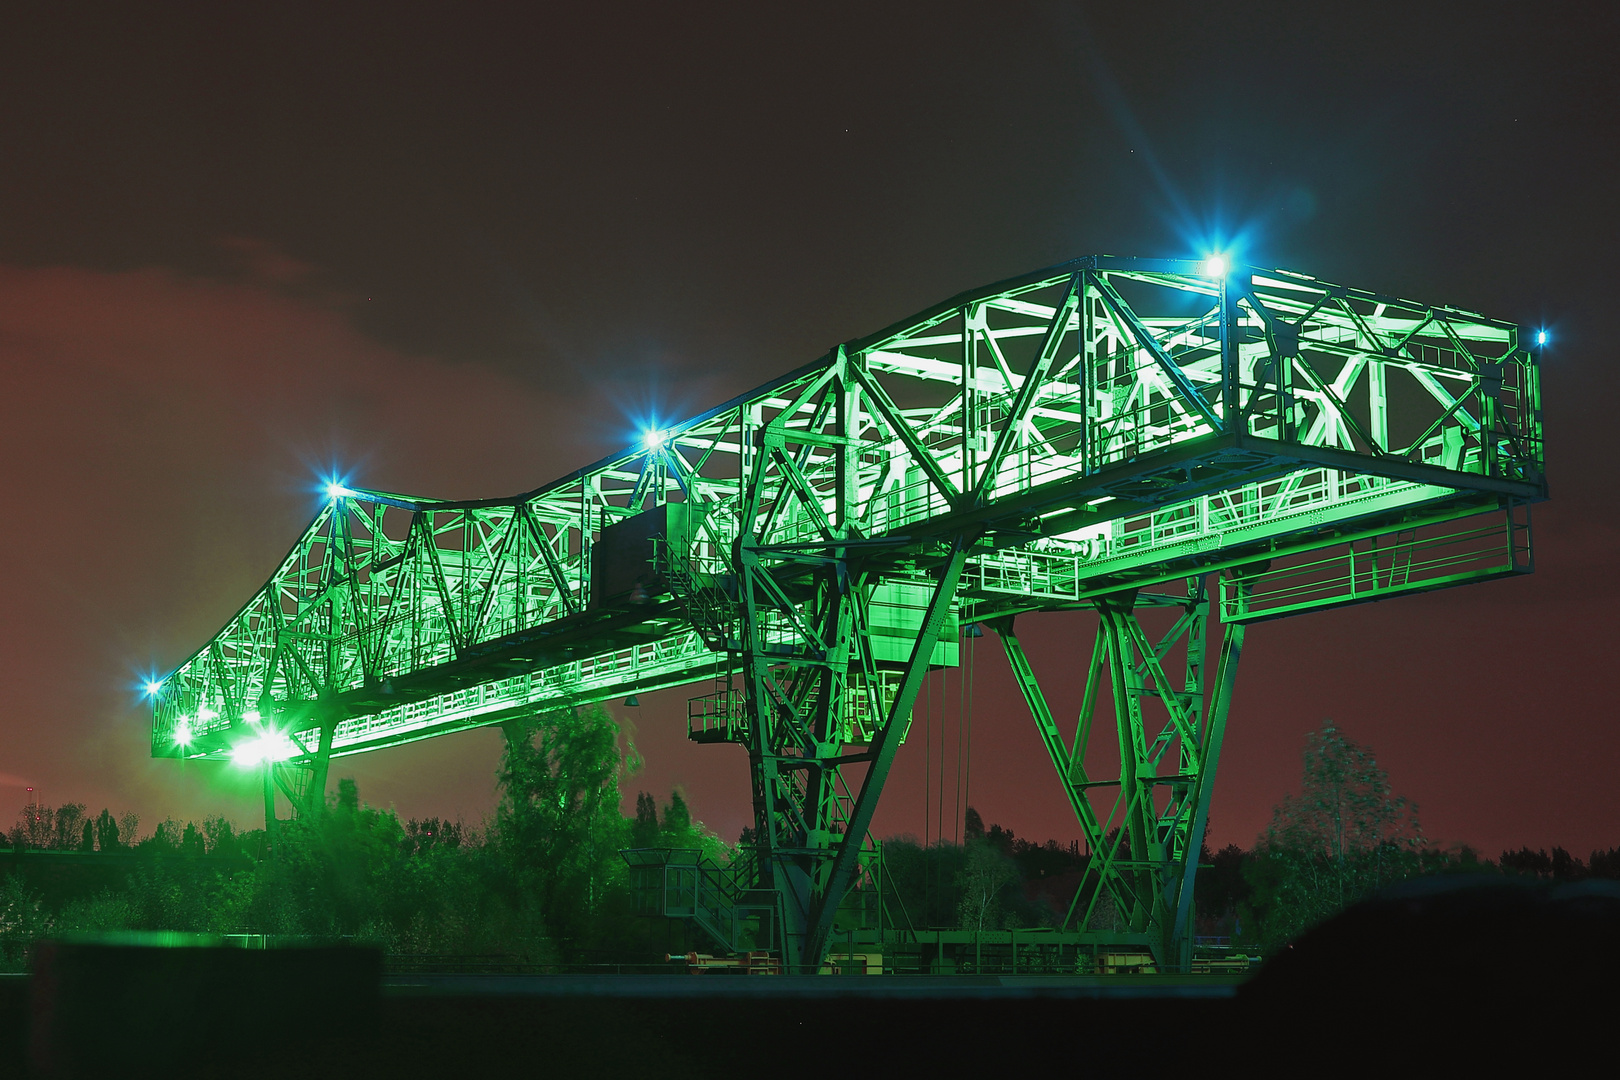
1145 828
302 780
270 801
824 706
815 789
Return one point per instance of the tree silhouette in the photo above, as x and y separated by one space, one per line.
106 831
644 830
69 829
1345 806
972 825
1343 835
559 817
677 817
981 884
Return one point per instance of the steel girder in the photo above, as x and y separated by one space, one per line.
807 650
1145 841
1047 442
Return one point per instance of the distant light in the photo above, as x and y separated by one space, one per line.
154 687
182 732
252 716
654 439
1215 267
1541 337
336 491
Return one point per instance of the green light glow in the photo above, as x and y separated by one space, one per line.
1111 432
272 746
1155 387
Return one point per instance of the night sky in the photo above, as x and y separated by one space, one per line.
455 250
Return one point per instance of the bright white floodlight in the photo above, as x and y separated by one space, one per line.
653 439
269 747
1215 267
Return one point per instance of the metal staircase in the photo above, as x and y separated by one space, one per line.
708 607
684 883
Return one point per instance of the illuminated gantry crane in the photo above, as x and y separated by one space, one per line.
1113 434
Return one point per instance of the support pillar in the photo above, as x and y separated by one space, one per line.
806 575
1145 828
269 800
316 801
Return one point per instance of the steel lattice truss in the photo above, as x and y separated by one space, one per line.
1107 433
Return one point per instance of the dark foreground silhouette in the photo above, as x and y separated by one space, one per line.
1440 971
1466 967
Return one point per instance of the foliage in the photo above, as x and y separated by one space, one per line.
542 883
42 827
1560 865
1345 805
644 827
69 828
165 839
23 920
559 820
972 825
106 832
676 828
1345 834
428 834
1605 864
1220 887
982 885
921 883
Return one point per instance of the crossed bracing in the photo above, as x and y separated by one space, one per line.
1064 439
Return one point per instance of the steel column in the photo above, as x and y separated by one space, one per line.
1144 849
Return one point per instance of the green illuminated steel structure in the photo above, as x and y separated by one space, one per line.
1153 440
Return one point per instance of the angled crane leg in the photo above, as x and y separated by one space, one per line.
1144 849
1213 734
270 802
316 800
302 781
294 782
885 743
810 814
